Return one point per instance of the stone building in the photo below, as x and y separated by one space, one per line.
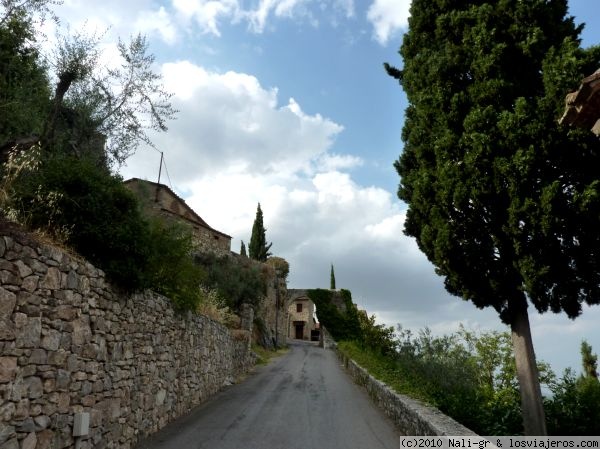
301 318
583 106
160 200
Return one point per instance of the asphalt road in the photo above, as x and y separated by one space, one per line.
302 400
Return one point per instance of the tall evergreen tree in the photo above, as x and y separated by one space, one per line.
258 248
332 279
589 360
503 201
243 250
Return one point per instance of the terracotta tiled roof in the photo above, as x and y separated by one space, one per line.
196 217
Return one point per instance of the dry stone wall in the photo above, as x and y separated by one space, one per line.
69 343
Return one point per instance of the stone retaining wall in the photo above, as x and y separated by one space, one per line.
70 343
410 416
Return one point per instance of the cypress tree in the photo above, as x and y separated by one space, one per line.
258 248
332 279
243 250
502 200
589 360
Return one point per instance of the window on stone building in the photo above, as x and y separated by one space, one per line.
299 307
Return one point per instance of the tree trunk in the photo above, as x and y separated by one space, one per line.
64 83
532 407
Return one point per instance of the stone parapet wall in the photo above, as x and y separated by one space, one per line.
410 416
70 343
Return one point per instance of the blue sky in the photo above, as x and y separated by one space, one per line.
286 102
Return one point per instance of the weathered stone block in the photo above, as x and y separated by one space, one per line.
27 330
26 426
22 410
30 283
8 300
72 280
8 369
29 442
51 341
33 387
82 333
7 411
36 410
7 330
10 444
51 280
63 379
23 269
64 399
6 431
38 357
57 358
45 439
41 422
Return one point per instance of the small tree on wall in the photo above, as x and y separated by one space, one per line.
258 248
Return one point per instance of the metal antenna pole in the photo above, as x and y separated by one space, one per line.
276 311
160 168
159 172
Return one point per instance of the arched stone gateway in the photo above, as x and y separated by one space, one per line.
302 323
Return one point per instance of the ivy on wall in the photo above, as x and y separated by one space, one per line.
343 325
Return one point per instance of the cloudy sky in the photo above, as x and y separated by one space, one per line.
286 103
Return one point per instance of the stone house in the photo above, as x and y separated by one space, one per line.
301 319
582 107
160 200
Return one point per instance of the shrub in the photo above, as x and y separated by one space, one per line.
281 266
215 307
574 408
81 203
238 280
84 204
171 269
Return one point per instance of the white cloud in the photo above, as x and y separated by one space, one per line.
346 6
388 17
228 121
291 9
208 13
157 21
332 162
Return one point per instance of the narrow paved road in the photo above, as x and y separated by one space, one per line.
302 400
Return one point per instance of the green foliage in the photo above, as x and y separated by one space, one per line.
243 250
589 360
170 268
96 214
341 325
24 85
494 186
332 279
501 199
468 376
575 406
472 378
376 337
238 280
280 265
258 248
